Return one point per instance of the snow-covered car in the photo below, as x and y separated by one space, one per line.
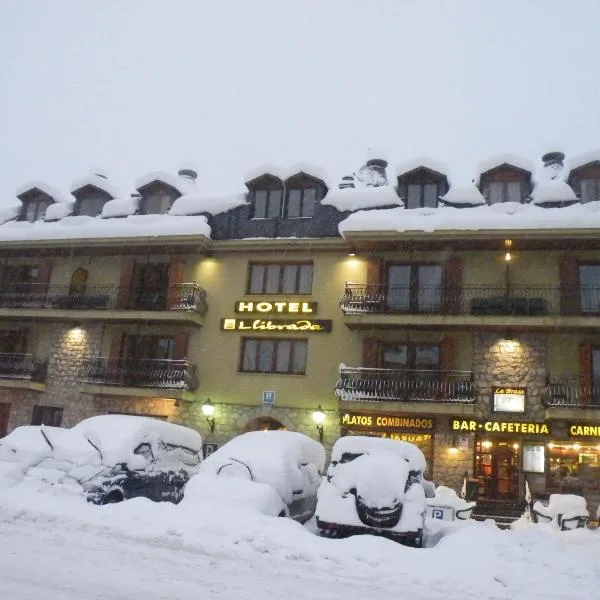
565 511
374 486
287 462
444 505
111 457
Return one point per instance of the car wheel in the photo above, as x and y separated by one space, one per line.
113 497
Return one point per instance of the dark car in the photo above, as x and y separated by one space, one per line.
111 457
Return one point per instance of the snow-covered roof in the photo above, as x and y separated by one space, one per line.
464 194
500 159
284 173
98 181
194 205
509 216
51 191
422 161
120 207
83 227
59 210
552 191
117 436
7 213
580 160
359 198
182 184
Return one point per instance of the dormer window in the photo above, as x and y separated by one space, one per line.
302 192
266 195
157 198
91 206
422 187
35 210
504 191
590 190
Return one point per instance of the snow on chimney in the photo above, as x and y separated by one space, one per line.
553 164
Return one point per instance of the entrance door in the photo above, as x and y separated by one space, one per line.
497 469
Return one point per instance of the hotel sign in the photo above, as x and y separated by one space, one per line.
277 325
279 307
382 421
582 430
525 428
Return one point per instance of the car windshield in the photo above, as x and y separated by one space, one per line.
349 457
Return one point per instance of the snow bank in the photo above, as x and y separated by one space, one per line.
51 191
552 191
359 198
182 184
580 160
26 445
285 173
422 161
509 215
194 205
467 194
497 160
59 210
8 213
117 436
98 181
120 208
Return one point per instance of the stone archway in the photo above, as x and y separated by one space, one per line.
263 424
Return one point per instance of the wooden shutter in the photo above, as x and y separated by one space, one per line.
447 353
44 270
175 280
116 344
569 284
452 284
374 272
180 345
125 284
4 416
370 353
585 372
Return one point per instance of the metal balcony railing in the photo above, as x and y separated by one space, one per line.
517 300
571 392
22 367
145 373
182 297
403 385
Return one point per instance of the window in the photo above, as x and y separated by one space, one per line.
300 202
47 415
274 356
504 191
13 342
150 286
18 278
157 203
4 415
147 347
589 288
35 210
414 288
280 278
419 196
590 190
267 203
412 357
91 206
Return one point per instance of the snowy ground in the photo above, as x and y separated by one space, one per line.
56 546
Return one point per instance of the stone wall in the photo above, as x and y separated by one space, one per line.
522 362
449 467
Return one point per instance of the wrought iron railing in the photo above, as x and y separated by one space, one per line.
571 392
145 373
22 367
403 385
518 300
181 297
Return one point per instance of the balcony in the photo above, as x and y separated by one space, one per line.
504 306
402 385
155 374
181 302
22 370
571 392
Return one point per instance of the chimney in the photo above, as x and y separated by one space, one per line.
372 173
553 164
189 174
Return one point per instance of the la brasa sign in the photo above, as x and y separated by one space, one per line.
509 399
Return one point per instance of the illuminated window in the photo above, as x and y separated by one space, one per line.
274 356
275 278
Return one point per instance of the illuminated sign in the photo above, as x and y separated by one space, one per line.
500 427
285 325
509 399
276 307
580 430
385 421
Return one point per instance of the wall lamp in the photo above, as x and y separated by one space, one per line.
318 417
352 252
208 409
453 449
507 247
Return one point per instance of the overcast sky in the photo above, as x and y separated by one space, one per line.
133 86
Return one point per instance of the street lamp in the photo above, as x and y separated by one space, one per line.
318 417
208 409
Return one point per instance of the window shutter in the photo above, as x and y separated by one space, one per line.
125 284
585 372
175 280
452 284
447 353
180 345
370 353
569 284
374 271
116 345
44 270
